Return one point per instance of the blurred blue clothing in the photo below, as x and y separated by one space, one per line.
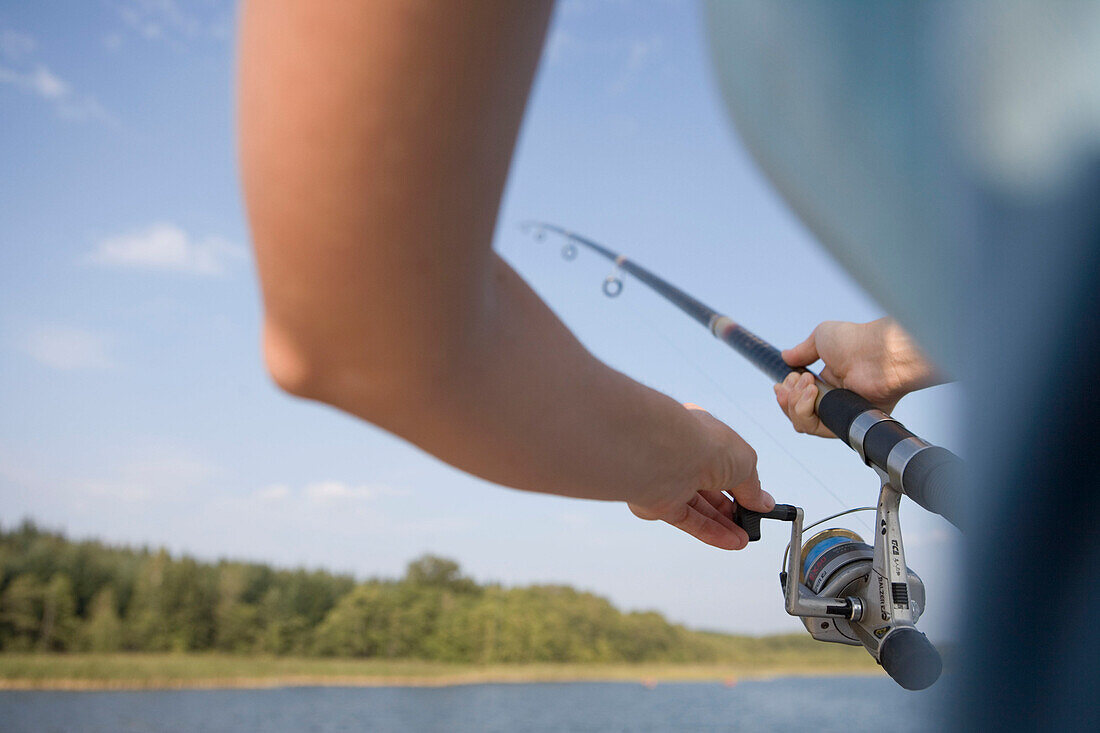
948 154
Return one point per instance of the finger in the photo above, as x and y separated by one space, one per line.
805 414
791 398
708 530
750 495
693 406
802 411
829 377
784 388
712 504
804 353
804 397
701 505
721 503
781 396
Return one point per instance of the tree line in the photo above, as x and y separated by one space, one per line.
60 595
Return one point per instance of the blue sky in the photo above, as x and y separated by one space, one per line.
135 405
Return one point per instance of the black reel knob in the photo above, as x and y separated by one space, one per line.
910 659
749 520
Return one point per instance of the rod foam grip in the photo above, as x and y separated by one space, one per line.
838 408
933 478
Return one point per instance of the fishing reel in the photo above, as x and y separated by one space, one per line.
848 592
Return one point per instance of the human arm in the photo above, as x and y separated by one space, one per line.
375 142
877 360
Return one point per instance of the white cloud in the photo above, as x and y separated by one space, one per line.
576 519
327 491
164 473
573 7
559 45
65 348
587 7
112 41
15 45
168 20
638 55
124 482
274 492
167 247
15 474
640 51
34 77
567 43
37 80
47 84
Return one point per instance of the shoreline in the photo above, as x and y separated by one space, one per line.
123 671
729 679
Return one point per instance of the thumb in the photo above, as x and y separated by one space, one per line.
749 494
802 355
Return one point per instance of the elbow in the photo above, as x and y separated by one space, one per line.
377 384
295 369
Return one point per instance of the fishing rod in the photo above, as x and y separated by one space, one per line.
844 590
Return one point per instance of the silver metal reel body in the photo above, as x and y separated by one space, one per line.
864 597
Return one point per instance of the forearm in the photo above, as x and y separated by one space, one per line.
375 142
519 401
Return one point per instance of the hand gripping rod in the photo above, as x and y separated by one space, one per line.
928 474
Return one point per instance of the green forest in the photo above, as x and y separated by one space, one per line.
58 595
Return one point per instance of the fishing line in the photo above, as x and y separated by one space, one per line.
717 386
928 474
808 527
844 590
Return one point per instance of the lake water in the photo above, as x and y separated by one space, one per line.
820 705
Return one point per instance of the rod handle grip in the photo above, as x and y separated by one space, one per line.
932 477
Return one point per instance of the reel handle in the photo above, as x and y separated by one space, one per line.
910 659
749 520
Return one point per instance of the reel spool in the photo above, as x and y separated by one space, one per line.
837 563
827 553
